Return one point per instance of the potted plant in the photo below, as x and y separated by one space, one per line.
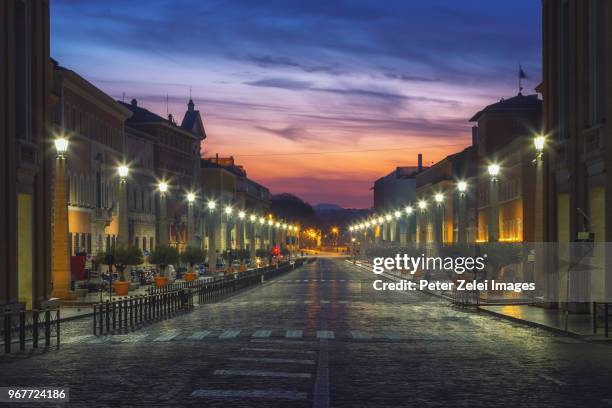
122 257
162 256
191 256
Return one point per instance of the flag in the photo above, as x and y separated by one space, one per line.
521 73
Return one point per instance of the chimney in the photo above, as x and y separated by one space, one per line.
134 102
474 135
420 165
170 119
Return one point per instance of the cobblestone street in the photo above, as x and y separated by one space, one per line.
319 336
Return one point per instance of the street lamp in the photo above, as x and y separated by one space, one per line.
462 187
539 142
191 197
270 222
162 187
409 209
381 220
211 205
398 214
262 220
422 205
61 146
123 171
388 217
241 215
228 210
439 198
493 170
253 218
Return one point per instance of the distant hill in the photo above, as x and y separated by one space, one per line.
326 207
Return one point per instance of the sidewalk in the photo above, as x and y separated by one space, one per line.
554 320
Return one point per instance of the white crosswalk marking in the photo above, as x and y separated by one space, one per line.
261 373
392 335
305 280
100 339
291 302
360 335
343 302
325 334
262 333
199 335
325 301
307 302
166 337
278 350
294 334
229 334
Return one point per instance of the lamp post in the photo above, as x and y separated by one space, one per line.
162 223
493 171
542 279
462 212
422 222
439 218
191 197
61 251
212 236
122 210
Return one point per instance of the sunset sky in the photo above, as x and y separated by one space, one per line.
315 98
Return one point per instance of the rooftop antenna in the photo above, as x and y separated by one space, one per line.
167 110
190 93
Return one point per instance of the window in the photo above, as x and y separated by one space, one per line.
76 243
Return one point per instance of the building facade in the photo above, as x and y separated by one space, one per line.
27 155
577 86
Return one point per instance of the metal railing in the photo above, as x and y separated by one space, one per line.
128 313
132 312
465 298
30 327
601 317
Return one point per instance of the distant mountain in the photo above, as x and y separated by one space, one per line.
326 207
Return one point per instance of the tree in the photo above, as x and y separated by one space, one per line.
163 256
122 257
193 255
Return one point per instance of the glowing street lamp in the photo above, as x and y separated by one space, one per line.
262 220
462 187
539 142
409 209
388 217
123 171
253 218
211 205
398 214
439 198
162 187
422 205
381 220
241 215
228 210
191 197
493 170
61 146
270 222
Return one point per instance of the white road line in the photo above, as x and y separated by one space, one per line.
392 335
261 373
277 350
199 335
343 301
551 379
166 337
325 334
307 302
135 338
273 360
229 334
258 302
360 335
321 386
332 280
294 334
291 302
342 280
77 339
325 301
263 394
262 333
305 280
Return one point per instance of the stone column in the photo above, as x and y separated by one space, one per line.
61 253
